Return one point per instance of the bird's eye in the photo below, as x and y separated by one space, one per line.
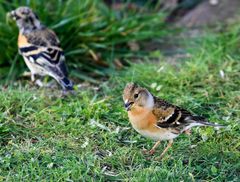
135 96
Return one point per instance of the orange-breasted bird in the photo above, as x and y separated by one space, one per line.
40 47
157 119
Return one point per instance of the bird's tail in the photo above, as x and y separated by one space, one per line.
205 123
201 121
66 83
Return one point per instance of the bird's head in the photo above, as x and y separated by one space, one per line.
25 18
134 95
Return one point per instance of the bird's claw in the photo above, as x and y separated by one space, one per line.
148 152
151 152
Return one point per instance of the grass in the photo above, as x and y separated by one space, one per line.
93 36
87 137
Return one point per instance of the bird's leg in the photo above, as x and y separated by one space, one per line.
152 151
166 149
39 83
32 77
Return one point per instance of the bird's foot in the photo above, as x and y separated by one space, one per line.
161 156
166 149
148 152
152 151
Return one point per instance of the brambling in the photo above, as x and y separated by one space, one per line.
157 119
40 47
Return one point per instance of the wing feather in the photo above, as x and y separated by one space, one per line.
171 116
44 47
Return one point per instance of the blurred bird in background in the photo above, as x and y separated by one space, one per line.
40 47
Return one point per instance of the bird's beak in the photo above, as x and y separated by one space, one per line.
128 105
12 15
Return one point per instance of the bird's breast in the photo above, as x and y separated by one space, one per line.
144 122
22 41
141 118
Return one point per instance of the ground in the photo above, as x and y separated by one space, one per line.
87 136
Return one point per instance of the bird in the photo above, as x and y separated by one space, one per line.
40 47
158 119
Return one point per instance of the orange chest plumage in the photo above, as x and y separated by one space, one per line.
142 118
22 40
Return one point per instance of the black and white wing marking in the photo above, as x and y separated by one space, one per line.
43 49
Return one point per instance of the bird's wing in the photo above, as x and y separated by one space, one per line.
170 116
43 48
43 37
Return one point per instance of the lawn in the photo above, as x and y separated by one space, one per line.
87 136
